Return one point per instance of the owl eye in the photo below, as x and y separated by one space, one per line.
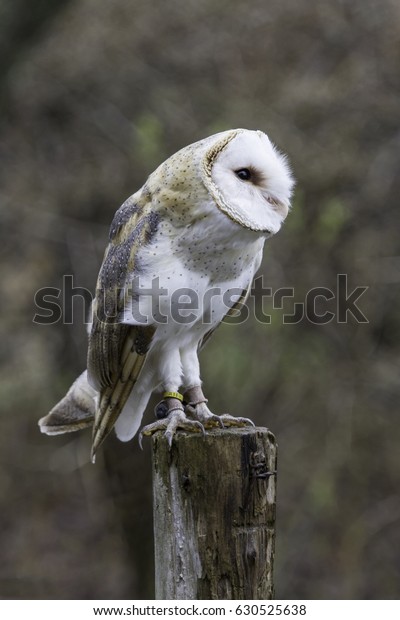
244 174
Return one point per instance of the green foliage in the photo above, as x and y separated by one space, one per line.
332 219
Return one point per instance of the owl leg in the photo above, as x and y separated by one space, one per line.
196 402
170 411
197 408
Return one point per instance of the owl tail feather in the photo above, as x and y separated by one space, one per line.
74 412
113 400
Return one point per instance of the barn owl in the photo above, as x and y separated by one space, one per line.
182 254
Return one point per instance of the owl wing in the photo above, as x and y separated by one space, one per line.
118 351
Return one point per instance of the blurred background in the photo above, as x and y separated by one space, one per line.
94 95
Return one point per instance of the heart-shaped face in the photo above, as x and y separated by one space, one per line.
249 179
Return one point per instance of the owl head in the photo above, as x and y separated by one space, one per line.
248 179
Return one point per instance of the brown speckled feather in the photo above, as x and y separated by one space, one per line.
117 351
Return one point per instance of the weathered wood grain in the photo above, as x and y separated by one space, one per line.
214 514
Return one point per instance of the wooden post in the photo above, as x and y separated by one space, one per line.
214 514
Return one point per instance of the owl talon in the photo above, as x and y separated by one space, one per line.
204 415
176 420
231 420
197 408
